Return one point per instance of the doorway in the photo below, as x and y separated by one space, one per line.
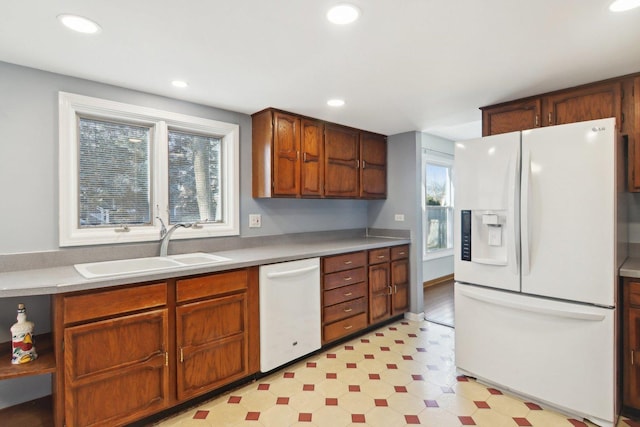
438 301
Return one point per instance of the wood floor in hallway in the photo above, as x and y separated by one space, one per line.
438 303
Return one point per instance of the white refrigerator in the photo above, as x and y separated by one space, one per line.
540 232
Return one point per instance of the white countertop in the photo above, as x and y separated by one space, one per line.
66 279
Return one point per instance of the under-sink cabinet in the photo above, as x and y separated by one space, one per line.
153 345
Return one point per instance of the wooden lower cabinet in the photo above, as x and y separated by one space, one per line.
211 334
631 344
388 282
116 370
400 279
133 351
344 295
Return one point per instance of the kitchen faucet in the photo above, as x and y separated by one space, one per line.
165 234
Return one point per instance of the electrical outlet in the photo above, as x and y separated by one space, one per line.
399 217
255 221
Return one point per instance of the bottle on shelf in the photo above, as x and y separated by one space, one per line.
22 343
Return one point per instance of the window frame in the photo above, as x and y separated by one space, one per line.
72 105
438 159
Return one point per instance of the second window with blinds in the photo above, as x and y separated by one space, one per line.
124 166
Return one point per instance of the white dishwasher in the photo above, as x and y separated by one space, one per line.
289 311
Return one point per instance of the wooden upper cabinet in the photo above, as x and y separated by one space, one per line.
341 152
373 166
297 156
511 117
587 103
312 153
286 150
276 154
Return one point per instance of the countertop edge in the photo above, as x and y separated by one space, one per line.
630 268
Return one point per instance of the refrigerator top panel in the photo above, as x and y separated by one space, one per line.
486 223
568 212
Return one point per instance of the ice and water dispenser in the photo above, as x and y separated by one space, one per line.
483 236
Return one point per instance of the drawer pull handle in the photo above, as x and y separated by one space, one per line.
346 279
381 257
348 327
347 310
348 294
348 262
401 253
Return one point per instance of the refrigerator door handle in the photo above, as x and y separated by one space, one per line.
548 311
524 211
512 201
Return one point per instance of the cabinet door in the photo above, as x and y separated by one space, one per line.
116 371
511 117
400 284
373 167
286 147
632 359
312 165
212 344
589 103
341 161
379 292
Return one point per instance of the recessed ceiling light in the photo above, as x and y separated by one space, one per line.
343 14
79 24
623 5
179 83
335 103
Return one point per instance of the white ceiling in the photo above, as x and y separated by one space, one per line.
405 65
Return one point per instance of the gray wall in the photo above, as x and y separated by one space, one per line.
29 163
403 176
438 267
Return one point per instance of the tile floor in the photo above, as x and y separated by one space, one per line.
402 374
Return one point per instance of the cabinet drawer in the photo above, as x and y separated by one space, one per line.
211 285
342 278
344 327
343 262
399 252
377 256
344 293
344 310
634 294
78 308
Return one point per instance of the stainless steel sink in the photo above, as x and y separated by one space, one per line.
144 265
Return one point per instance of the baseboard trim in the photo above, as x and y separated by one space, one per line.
437 281
414 317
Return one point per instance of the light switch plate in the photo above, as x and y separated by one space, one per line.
399 217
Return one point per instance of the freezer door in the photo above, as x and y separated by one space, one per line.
486 223
559 354
568 212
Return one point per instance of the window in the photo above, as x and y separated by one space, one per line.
122 166
438 203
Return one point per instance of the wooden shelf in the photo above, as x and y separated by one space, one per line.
36 413
44 364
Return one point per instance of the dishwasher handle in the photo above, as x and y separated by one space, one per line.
291 273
